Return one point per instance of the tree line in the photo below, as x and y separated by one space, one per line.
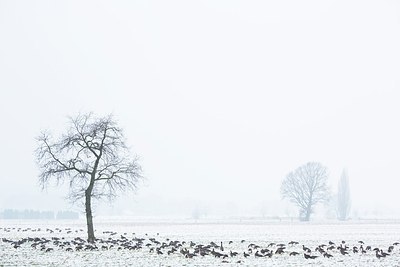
11 214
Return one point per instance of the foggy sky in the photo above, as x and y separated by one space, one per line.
220 99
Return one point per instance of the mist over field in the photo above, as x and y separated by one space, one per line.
219 99
199 133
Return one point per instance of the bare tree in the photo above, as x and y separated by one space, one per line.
92 157
305 187
343 197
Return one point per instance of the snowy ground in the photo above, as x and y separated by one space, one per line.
311 235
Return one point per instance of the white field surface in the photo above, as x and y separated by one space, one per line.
375 234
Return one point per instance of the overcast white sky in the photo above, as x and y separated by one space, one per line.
220 99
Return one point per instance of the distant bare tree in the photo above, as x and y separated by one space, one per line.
343 197
92 157
305 187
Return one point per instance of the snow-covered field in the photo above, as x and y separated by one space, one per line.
129 243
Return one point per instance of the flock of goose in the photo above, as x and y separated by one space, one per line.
190 249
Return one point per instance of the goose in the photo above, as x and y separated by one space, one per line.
343 252
203 252
320 250
309 256
306 249
279 251
377 254
217 254
327 255
384 254
257 254
233 254
190 255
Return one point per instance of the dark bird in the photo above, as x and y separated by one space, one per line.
279 251
384 254
258 254
377 254
306 249
309 256
327 255
233 254
190 255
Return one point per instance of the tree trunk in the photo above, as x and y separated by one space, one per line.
88 197
309 208
89 217
308 214
305 214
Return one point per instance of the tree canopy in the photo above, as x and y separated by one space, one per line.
305 187
92 156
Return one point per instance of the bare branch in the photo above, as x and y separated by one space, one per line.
92 153
306 187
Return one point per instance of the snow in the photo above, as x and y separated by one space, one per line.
374 234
